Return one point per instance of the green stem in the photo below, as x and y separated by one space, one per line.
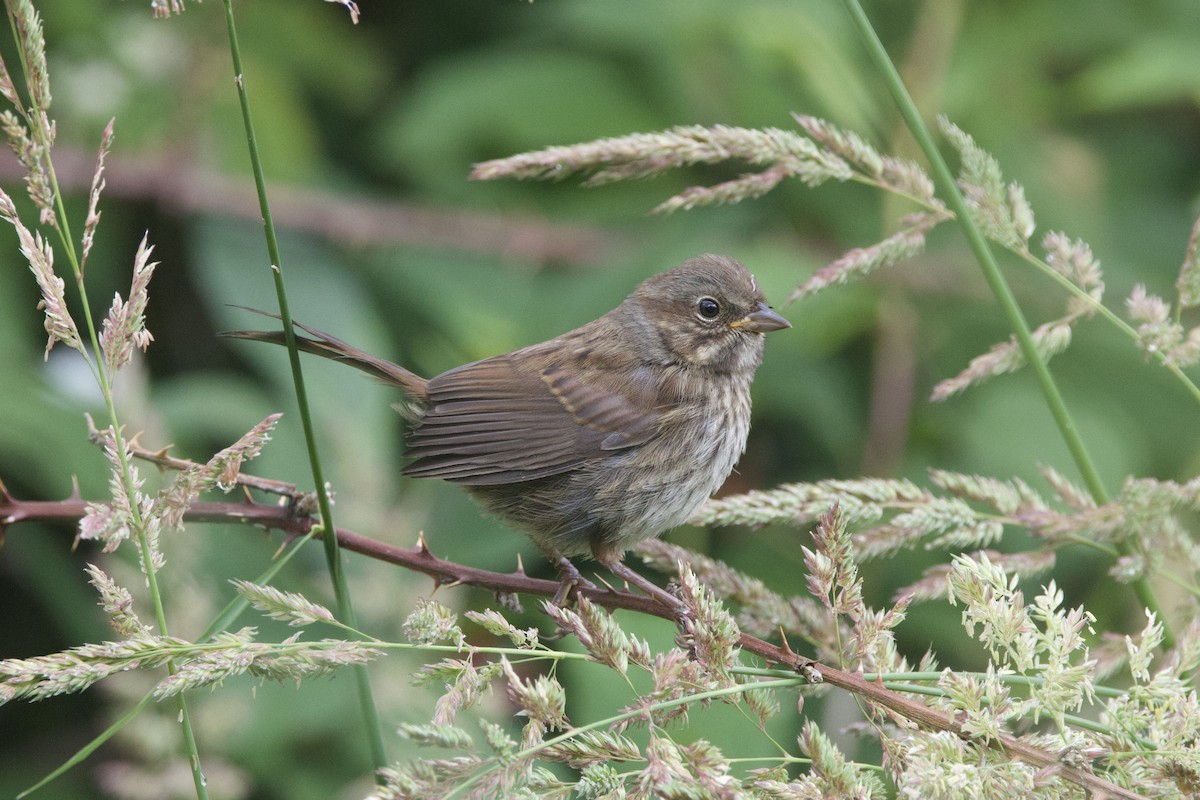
100 372
145 550
332 554
944 179
236 606
790 759
81 755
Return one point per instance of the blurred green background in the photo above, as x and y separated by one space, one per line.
368 134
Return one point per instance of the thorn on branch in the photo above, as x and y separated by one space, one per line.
787 648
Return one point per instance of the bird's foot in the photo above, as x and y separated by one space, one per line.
653 590
570 581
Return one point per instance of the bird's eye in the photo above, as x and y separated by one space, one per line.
708 308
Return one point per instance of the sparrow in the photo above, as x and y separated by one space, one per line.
604 436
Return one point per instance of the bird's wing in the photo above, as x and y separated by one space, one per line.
495 422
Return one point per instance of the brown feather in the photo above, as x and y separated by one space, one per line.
496 421
322 344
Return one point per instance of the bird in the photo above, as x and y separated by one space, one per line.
599 438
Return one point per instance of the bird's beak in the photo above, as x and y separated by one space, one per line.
761 320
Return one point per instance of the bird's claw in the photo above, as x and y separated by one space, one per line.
570 582
670 600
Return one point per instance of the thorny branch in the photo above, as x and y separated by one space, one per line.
443 572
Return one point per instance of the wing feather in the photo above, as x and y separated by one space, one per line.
496 421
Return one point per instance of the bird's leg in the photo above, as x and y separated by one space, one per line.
614 564
569 580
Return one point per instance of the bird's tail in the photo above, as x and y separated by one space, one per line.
326 346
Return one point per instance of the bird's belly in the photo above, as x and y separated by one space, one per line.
611 503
